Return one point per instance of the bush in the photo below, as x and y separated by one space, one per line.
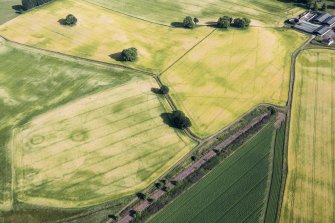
164 89
70 20
224 22
29 4
179 120
113 217
241 22
188 22
141 196
195 20
129 54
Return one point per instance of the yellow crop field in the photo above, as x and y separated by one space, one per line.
232 72
97 148
310 185
101 34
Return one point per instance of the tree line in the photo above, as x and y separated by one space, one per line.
223 22
29 4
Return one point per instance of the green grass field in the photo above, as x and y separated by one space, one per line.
310 185
72 150
269 12
276 178
235 191
101 34
6 11
230 73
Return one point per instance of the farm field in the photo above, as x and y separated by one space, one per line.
227 75
32 83
270 12
276 178
101 147
6 10
310 185
101 34
234 191
79 150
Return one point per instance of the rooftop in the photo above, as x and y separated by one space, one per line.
322 30
330 21
307 26
322 18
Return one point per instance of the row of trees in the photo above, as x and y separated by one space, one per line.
317 5
227 21
29 4
223 22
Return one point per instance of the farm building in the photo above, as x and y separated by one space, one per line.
328 41
307 26
325 19
321 31
314 23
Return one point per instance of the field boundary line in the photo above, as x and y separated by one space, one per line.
288 120
270 175
197 164
189 50
55 54
129 15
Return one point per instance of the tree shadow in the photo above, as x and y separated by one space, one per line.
177 25
62 22
167 119
211 24
18 9
116 56
156 91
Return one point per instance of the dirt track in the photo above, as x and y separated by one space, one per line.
195 166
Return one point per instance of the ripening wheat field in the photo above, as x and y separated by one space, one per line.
310 186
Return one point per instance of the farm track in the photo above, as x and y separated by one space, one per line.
195 166
288 120
168 98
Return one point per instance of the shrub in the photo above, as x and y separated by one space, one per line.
241 22
164 89
70 20
195 20
29 4
224 22
188 22
179 120
129 54
141 196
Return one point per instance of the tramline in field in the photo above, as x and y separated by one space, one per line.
310 185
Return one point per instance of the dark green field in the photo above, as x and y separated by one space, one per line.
272 206
236 191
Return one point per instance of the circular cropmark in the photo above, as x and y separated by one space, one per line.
79 135
37 139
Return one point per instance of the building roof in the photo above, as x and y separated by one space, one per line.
322 30
307 26
328 41
330 21
322 17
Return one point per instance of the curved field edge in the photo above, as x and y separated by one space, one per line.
310 180
48 86
227 192
92 81
227 75
270 13
101 34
